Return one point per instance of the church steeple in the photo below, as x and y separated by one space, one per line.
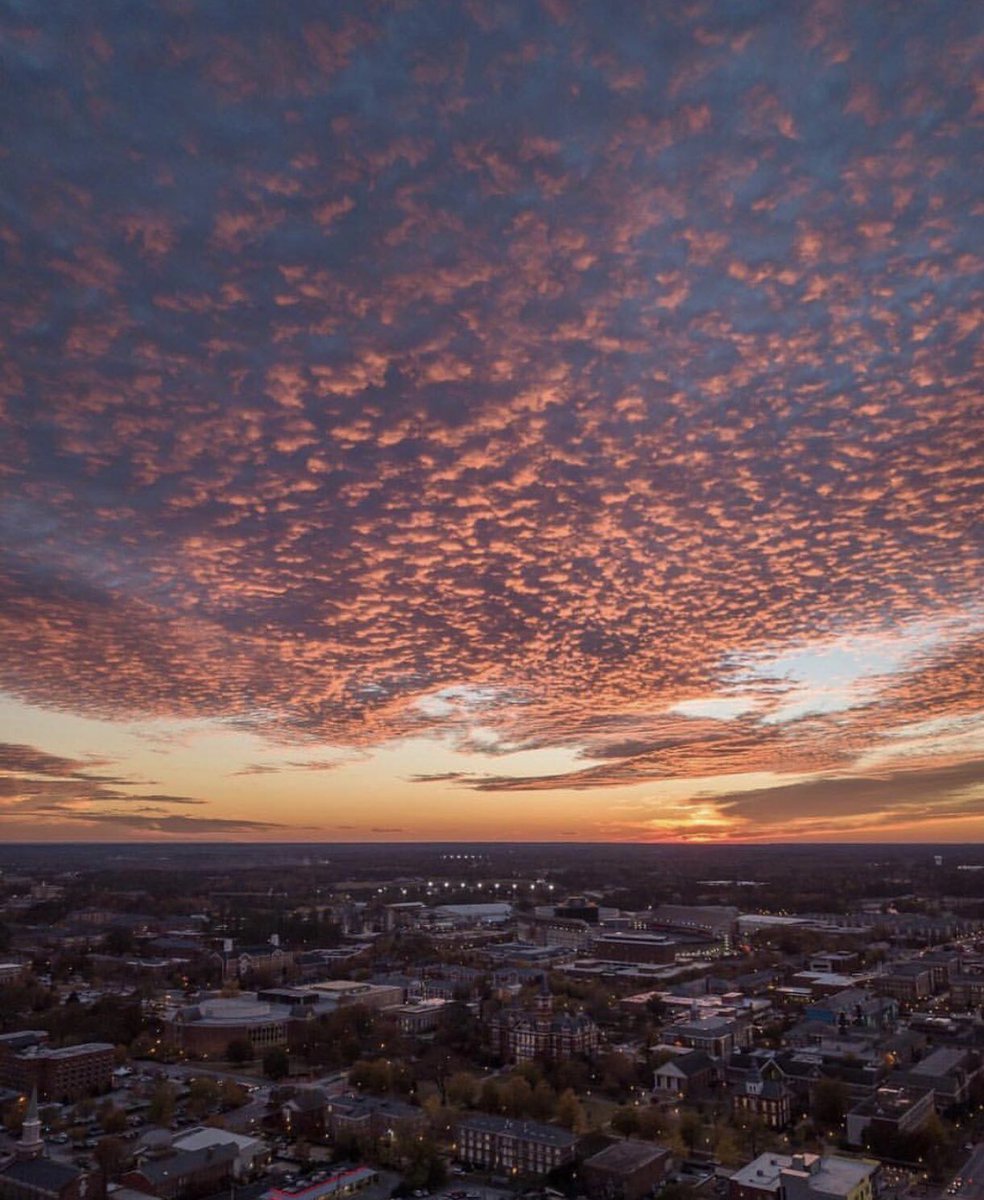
544 1001
31 1144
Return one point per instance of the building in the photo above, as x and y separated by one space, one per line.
717 1036
550 930
247 962
716 922
418 1018
305 1113
340 992
835 962
906 982
804 1177
765 1096
60 1075
252 1154
967 987
634 947
627 1170
891 1111
854 1008
367 1119
951 1071
346 1181
579 908
43 1179
185 1174
514 1147
520 1034
205 1029
684 1077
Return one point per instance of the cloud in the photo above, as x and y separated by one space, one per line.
496 377
173 824
34 782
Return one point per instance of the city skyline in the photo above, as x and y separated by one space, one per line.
491 422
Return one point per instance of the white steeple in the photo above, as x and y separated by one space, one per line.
31 1144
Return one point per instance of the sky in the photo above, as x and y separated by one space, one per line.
491 419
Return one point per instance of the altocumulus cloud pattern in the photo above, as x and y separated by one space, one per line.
383 369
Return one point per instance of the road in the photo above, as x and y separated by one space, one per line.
968 1184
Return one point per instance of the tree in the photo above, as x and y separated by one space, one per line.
625 1120
691 1127
424 1166
461 1089
162 1100
232 1095
830 1102
111 1153
652 1122
371 1075
239 1051
570 1112
516 1097
276 1064
543 1103
489 1099
203 1095
111 1118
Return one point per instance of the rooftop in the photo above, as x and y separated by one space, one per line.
532 1130
628 1155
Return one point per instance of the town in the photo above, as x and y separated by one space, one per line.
298 1023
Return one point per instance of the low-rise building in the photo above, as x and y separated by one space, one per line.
421 1017
185 1174
763 1097
719 1037
626 1170
207 1028
892 1110
804 1177
252 1154
514 1147
367 1119
684 1077
43 1179
951 1072
906 982
347 1181
854 1008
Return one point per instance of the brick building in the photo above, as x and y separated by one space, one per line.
627 1170
367 1119
42 1179
185 1174
514 1147
60 1075
684 1077
520 1034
